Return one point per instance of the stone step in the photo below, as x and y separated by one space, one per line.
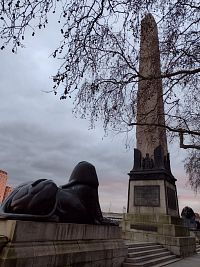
143 248
150 263
147 252
139 244
167 262
148 257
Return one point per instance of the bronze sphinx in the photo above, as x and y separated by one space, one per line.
42 200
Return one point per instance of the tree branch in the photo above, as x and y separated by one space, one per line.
172 74
182 145
180 130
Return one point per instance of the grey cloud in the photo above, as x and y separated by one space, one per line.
39 151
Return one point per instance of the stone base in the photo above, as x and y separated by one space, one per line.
41 244
162 229
152 196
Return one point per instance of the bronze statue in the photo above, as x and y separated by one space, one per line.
42 200
188 216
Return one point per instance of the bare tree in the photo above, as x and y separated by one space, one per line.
192 167
99 58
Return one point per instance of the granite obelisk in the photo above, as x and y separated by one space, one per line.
152 186
150 108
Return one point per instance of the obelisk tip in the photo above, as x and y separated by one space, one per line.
148 19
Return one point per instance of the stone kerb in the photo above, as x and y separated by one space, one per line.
41 244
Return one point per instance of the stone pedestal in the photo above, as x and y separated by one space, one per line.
153 197
196 235
152 188
42 244
153 213
162 229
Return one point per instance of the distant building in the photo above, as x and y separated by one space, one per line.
7 191
3 181
4 189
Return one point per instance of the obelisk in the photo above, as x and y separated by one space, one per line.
152 212
150 107
152 186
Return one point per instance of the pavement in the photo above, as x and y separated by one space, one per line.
193 261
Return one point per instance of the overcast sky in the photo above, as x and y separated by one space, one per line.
40 138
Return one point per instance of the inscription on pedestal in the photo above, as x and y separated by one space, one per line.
171 198
148 195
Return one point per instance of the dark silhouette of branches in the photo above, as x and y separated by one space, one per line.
180 131
192 166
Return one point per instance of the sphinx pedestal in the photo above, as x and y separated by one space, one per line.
45 244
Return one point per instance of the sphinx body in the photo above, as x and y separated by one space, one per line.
42 200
